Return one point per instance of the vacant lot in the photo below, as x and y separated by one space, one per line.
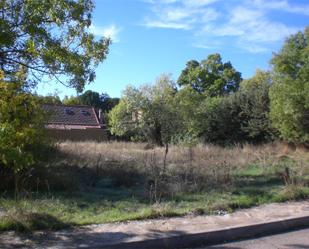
88 183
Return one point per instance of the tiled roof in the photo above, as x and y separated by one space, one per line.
72 115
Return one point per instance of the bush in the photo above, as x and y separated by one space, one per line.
289 93
21 129
219 121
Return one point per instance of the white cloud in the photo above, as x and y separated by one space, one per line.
248 24
184 2
253 30
253 48
180 14
208 15
210 45
282 5
198 3
110 31
252 25
167 25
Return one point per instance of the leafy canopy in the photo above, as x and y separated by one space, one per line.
53 99
149 109
50 38
210 76
253 102
91 98
237 117
289 93
21 122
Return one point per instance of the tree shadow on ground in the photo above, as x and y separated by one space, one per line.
81 238
29 221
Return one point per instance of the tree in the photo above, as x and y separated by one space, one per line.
253 100
72 100
90 98
107 102
187 102
289 93
21 133
149 110
50 38
235 118
50 99
210 76
94 99
219 121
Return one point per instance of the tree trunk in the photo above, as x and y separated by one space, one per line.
154 135
165 156
16 184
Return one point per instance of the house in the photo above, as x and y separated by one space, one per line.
77 123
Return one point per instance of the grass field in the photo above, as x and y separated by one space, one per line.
89 183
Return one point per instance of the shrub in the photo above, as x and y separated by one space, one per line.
21 133
289 93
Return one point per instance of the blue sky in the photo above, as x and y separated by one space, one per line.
151 37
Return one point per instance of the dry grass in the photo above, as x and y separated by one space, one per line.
88 183
202 154
187 168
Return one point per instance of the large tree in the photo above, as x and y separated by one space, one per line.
91 98
253 100
50 38
21 127
289 93
211 76
149 110
53 99
238 117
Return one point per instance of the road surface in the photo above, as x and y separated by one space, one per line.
292 240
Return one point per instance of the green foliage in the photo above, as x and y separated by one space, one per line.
187 101
253 100
71 100
289 93
50 38
211 76
21 221
20 126
235 118
50 99
238 117
219 121
102 101
90 98
120 120
148 110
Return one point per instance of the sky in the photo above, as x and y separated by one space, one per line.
152 37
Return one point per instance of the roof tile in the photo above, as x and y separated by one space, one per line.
72 115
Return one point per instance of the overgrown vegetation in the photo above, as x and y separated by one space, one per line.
290 90
38 40
87 183
21 131
106 182
213 104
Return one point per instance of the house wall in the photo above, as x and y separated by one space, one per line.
98 135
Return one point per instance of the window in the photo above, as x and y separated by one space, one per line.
85 113
69 112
